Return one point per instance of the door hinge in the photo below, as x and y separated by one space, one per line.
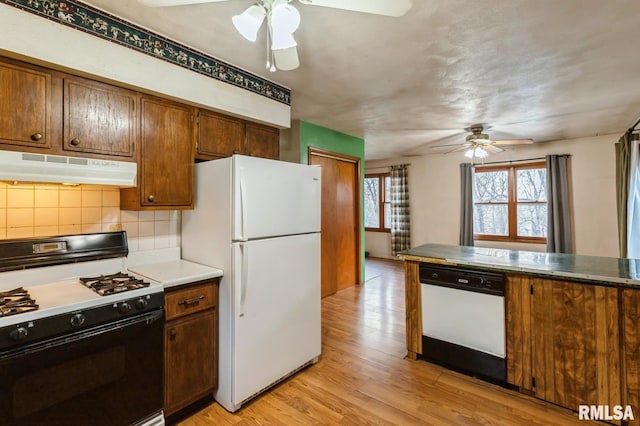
531 288
533 383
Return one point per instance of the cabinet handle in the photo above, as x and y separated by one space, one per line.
235 151
75 141
191 301
172 332
36 137
151 198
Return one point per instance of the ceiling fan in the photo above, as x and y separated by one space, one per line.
283 20
479 145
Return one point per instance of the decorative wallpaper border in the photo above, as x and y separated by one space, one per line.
93 21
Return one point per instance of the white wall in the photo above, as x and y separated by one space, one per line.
434 191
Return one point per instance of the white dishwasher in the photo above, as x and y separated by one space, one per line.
463 320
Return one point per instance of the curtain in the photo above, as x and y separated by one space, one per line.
466 204
623 171
399 192
633 204
558 217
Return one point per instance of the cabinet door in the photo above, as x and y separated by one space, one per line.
167 153
518 328
219 136
576 343
263 141
98 118
25 106
190 359
631 327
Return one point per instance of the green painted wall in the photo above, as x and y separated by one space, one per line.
319 137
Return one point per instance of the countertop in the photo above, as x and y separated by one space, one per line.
175 272
603 270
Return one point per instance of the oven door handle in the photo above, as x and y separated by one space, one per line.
144 319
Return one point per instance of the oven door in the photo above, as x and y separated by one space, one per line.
107 375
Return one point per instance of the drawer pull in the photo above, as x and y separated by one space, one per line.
36 137
192 301
75 141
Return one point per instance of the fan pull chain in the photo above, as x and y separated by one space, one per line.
270 61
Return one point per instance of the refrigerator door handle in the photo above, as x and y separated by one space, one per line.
244 252
243 203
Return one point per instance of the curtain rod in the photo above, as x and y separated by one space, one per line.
632 128
513 161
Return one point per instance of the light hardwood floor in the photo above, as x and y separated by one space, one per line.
363 377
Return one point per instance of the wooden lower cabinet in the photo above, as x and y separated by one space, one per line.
564 342
631 334
191 344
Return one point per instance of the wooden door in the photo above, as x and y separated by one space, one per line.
99 118
26 102
340 223
576 343
219 136
263 141
167 153
190 356
631 337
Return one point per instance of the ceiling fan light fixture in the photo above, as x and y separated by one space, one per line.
284 20
286 59
476 151
249 22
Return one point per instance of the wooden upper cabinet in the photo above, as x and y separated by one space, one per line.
166 157
219 136
263 141
26 102
99 118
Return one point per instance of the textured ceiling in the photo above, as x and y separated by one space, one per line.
537 69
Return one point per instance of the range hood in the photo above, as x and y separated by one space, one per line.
29 167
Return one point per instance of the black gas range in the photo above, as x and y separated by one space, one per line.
80 338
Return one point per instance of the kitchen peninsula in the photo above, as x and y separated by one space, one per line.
571 322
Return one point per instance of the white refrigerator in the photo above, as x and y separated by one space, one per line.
259 221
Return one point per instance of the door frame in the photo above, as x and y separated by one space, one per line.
358 211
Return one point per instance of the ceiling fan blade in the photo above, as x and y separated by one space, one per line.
286 59
394 8
163 3
464 144
492 149
462 147
512 141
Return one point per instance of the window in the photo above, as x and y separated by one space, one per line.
510 203
377 205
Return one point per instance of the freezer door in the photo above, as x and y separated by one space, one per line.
276 312
274 198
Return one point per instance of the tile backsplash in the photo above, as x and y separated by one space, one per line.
39 210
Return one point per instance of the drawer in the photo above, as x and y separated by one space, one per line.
189 299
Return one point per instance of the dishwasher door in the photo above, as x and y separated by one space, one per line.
466 318
463 320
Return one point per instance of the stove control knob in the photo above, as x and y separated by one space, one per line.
77 320
19 333
124 308
141 304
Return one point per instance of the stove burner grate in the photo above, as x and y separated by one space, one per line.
106 285
16 301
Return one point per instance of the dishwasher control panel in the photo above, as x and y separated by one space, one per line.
462 278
